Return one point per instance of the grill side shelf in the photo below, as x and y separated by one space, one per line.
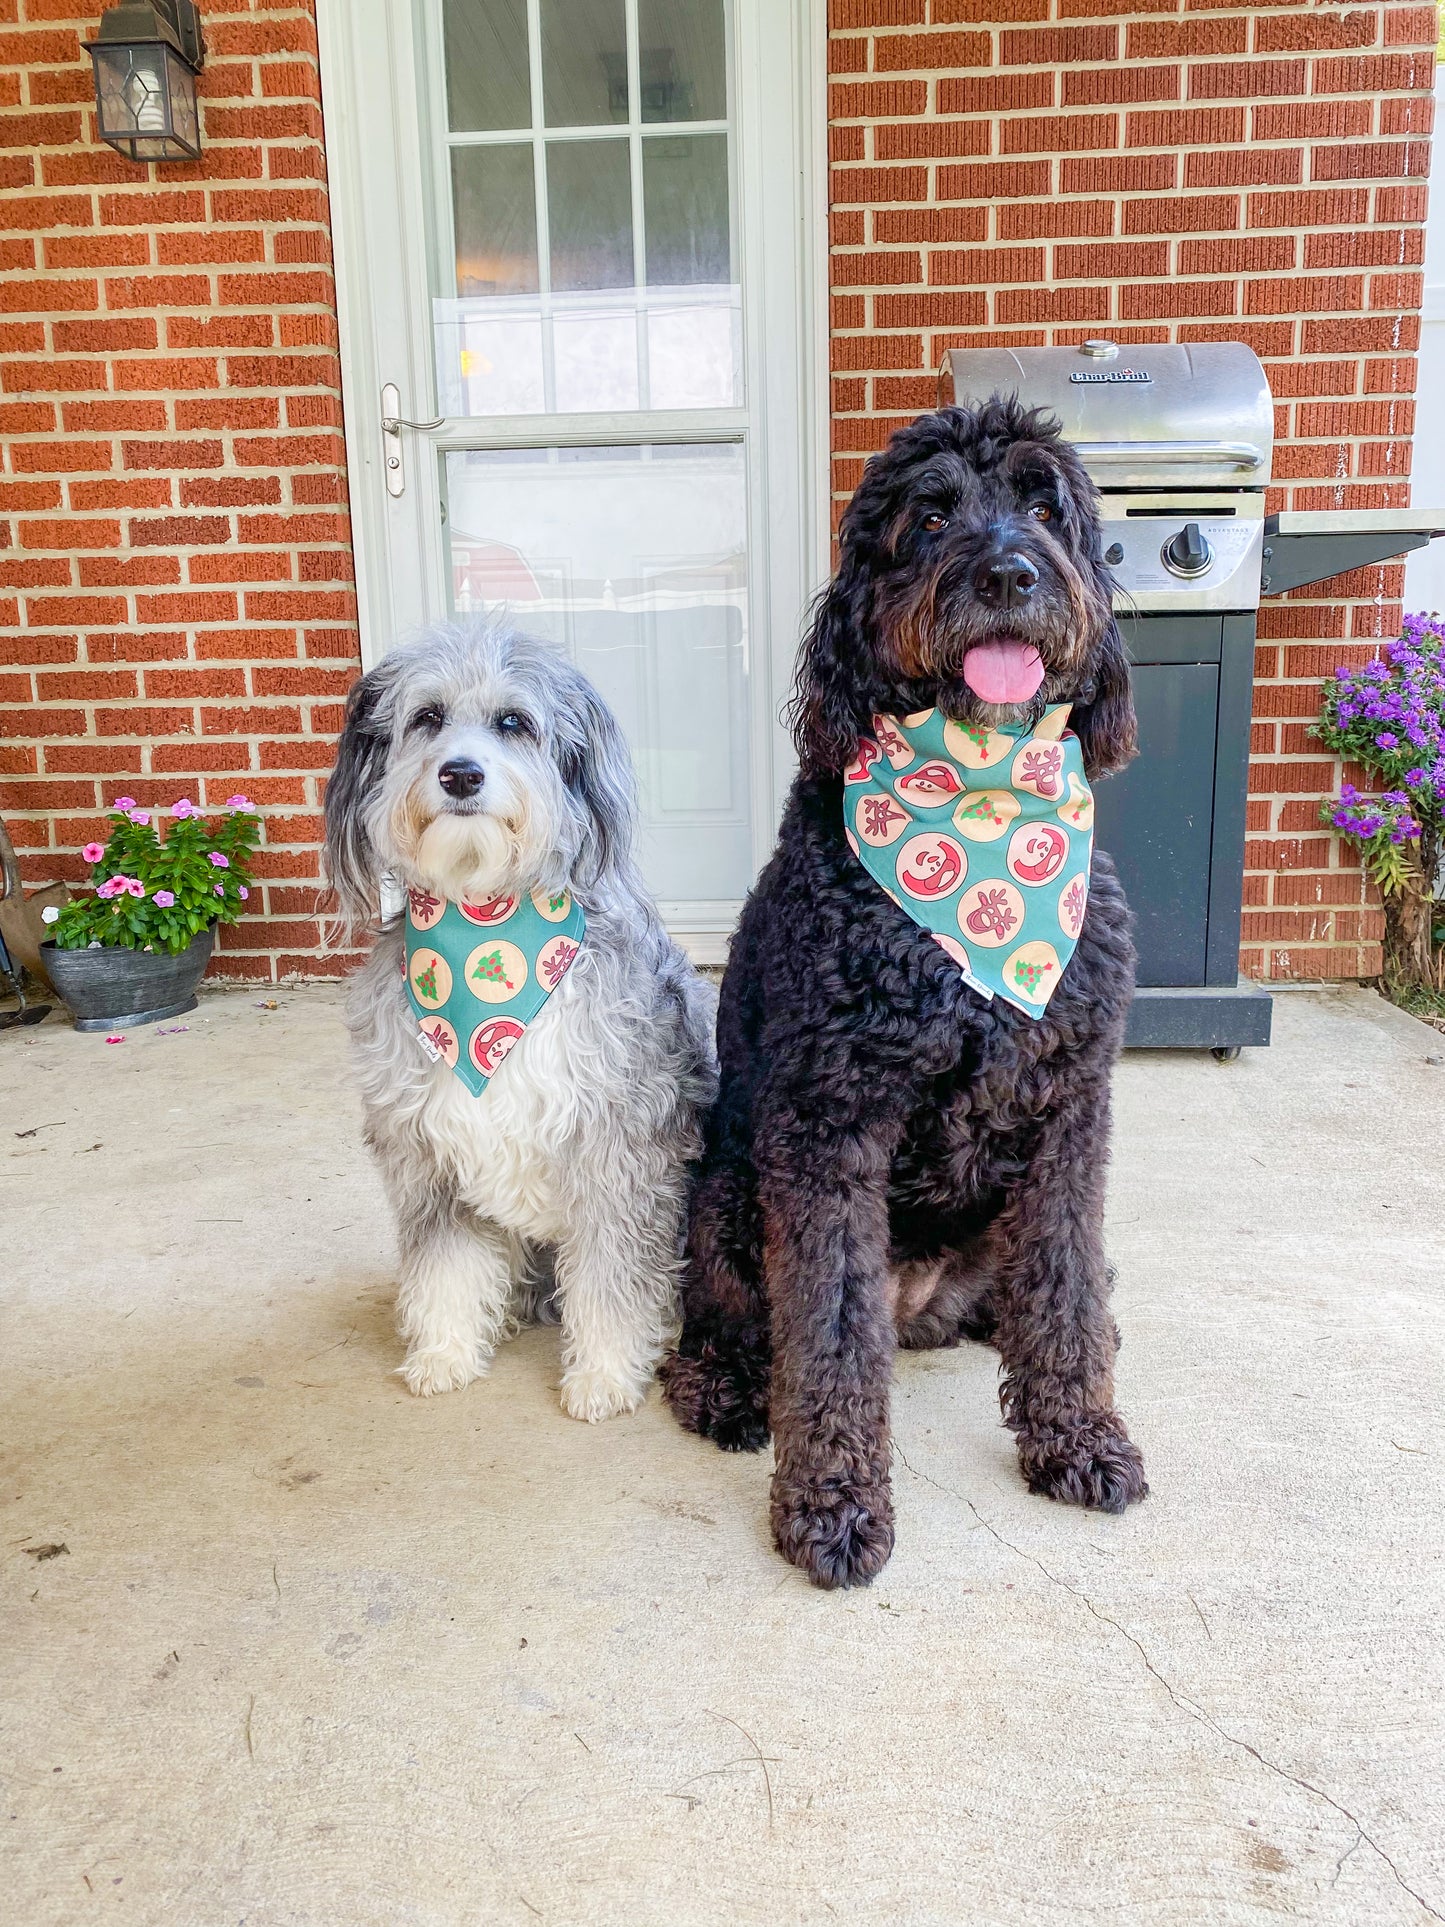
1301 547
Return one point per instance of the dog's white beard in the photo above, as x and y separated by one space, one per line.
472 856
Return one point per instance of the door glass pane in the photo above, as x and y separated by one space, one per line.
584 62
495 210
685 202
588 327
634 561
486 61
682 59
589 213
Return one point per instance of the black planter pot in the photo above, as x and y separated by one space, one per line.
107 988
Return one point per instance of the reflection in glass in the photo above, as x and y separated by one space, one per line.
486 64
634 562
584 62
589 213
685 208
494 207
682 59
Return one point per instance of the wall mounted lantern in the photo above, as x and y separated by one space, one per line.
147 55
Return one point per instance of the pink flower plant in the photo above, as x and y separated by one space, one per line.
154 870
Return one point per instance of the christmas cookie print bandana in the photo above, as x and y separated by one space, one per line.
478 973
984 837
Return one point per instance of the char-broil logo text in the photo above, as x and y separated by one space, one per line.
1111 375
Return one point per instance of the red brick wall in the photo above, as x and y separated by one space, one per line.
1036 171
175 561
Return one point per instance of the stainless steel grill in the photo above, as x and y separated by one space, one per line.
1179 440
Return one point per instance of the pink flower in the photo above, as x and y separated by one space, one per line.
93 852
135 886
218 889
239 803
244 892
118 1038
140 816
123 803
219 862
164 898
182 808
112 887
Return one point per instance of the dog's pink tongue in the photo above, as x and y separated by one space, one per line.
1003 672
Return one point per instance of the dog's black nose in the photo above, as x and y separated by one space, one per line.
1005 581
461 777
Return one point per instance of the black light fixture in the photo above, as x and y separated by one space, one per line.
147 55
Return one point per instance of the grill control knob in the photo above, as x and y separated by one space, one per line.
1187 553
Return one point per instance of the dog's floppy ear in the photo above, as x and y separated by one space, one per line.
351 866
822 711
1103 718
597 770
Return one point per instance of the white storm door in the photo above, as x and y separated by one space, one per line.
578 255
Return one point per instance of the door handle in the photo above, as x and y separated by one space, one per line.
392 423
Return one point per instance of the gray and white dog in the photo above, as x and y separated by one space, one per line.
474 763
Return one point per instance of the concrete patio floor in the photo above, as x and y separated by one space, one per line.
313 1651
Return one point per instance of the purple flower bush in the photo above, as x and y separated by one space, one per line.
1388 717
155 892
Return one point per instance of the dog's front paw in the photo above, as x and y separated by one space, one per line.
593 1393
838 1536
1093 1464
727 1403
446 1367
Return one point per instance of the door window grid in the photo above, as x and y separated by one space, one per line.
538 135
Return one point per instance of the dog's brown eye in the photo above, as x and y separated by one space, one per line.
933 523
1041 512
430 719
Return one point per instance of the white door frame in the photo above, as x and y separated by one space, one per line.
377 162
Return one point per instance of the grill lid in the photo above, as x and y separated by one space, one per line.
1157 416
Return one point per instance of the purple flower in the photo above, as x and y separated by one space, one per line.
182 808
244 892
140 816
135 886
93 852
164 898
239 803
123 803
219 862
1387 739
218 889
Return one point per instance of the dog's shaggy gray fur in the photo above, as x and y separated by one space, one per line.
579 1146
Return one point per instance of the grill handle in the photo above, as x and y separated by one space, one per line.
1237 454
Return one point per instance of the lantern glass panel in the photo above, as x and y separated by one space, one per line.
146 97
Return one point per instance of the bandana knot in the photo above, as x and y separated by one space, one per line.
984 837
478 973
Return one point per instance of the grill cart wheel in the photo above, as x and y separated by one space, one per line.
1225 1053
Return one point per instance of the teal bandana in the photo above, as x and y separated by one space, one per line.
994 866
478 973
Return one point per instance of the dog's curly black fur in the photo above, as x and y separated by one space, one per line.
892 1160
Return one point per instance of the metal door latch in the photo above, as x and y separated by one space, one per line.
392 423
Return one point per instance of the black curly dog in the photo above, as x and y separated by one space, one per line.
892 1160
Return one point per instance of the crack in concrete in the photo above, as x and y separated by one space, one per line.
1181 1700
